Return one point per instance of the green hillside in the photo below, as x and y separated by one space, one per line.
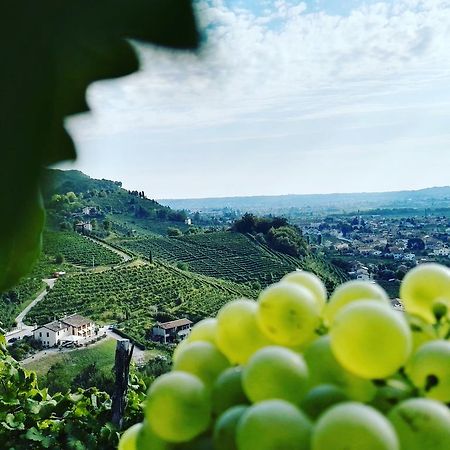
66 193
13 301
77 249
190 275
136 297
228 255
77 253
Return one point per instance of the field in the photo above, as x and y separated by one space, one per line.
230 256
134 298
75 361
78 250
226 255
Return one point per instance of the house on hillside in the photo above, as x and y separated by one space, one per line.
90 211
73 328
172 331
83 227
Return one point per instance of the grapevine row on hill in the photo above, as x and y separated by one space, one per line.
231 256
135 297
226 255
78 249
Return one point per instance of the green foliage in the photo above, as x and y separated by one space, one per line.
155 367
182 266
287 240
32 419
77 249
132 297
275 232
92 376
65 60
174 232
23 348
59 258
252 224
59 378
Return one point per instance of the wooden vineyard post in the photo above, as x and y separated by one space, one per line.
122 371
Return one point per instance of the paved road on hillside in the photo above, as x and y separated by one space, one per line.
21 330
122 254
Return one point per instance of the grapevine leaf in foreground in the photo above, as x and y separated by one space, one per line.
51 51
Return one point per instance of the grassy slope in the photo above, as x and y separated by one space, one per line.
75 361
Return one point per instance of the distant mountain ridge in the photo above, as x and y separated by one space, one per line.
438 196
57 181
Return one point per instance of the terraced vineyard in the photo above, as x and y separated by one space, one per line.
226 255
78 249
135 297
230 256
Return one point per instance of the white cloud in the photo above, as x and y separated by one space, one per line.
289 72
246 66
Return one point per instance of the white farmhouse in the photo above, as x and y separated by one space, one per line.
51 333
71 328
83 227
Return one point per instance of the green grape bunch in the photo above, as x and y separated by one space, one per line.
297 370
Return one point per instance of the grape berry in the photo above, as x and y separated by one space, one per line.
294 371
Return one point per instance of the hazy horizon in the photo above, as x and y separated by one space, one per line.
285 98
305 194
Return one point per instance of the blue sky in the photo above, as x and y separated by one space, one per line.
285 97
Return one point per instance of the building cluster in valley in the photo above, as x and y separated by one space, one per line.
380 247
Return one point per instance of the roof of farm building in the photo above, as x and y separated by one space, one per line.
76 320
56 325
174 324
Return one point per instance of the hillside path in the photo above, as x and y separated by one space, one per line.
22 329
126 258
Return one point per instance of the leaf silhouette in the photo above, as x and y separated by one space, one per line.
51 50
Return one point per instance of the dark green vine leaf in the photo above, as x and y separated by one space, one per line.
51 50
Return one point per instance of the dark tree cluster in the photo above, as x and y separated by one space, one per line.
274 232
140 194
249 223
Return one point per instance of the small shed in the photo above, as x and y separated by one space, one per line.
172 331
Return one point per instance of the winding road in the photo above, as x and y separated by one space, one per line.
126 258
22 329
